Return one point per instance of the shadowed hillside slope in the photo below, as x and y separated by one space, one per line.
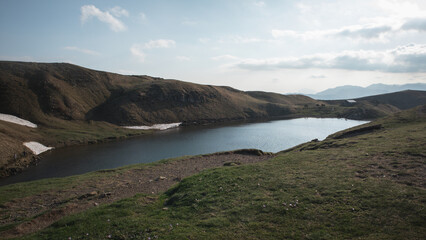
40 91
402 100
47 92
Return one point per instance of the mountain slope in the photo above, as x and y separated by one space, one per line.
41 91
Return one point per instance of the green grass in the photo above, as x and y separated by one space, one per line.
362 187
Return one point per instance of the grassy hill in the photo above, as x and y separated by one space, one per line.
41 91
367 182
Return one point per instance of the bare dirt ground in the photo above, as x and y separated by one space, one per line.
48 207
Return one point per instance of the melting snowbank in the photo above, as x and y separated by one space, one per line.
13 119
155 126
36 147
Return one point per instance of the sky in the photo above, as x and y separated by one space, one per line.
286 46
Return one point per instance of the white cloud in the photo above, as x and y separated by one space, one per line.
142 16
408 58
81 50
236 39
365 32
137 51
160 43
89 11
401 9
225 57
118 11
303 8
183 58
317 76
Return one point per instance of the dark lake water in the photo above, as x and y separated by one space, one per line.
273 136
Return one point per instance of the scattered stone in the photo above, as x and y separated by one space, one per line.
230 164
96 204
161 178
104 195
165 208
87 195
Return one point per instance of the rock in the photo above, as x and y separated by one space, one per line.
87 195
104 195
228 164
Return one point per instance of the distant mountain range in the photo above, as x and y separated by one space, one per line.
350 92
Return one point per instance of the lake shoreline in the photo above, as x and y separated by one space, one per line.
180 147
33 160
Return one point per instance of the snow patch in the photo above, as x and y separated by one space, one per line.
155 126
36 147
16 120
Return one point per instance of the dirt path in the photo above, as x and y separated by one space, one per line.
49 207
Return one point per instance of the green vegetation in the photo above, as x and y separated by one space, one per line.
369 184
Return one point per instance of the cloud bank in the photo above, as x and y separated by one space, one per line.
378 31
403 59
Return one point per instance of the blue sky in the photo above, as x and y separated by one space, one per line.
280 46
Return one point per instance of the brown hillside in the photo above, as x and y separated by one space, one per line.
40 91
402 100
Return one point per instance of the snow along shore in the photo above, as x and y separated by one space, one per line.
36 147
155 126
16 120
